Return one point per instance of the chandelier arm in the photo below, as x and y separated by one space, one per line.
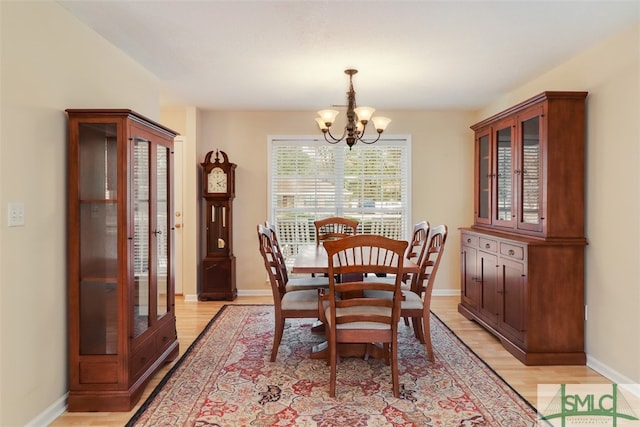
360 134
369 142
333 139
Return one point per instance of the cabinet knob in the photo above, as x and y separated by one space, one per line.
512 252
178 225
487 246
468 240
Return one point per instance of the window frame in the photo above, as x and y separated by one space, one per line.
314 141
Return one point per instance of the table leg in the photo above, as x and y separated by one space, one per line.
361 350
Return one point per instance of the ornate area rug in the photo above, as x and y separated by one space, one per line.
226 379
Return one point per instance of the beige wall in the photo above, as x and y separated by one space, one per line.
441 176
610 72
50 62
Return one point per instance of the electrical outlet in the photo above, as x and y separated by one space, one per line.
16 214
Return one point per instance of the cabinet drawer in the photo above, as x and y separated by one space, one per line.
165 336
469 239
513 251
142 357
488 244
98 372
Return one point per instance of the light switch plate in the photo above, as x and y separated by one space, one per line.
16 214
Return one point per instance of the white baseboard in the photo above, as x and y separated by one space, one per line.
254 293
616 377
446 292
50 414
191 298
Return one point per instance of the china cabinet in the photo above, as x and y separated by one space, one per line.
522 260
122 324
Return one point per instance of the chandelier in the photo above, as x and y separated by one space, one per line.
357 119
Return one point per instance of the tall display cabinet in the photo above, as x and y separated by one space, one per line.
522 260
122 324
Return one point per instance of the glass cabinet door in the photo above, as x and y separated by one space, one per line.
140 204
98 294
529 205
483 179
162 229
503 205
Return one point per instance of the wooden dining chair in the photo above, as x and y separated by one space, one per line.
334 228
351 317
415 251
294 283
416 302
287 304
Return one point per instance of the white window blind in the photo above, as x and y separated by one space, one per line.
310 179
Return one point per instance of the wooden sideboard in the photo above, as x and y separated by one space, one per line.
522 260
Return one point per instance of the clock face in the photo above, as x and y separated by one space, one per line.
217 181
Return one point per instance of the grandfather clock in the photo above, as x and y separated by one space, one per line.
218 271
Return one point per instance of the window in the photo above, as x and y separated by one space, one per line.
310 179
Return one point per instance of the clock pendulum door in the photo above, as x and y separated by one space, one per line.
217 237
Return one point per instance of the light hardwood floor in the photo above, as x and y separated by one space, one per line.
192 317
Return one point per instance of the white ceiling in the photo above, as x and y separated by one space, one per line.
290 55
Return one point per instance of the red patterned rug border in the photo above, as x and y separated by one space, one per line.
176 366
481 360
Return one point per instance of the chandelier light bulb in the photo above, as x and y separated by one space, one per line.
321 124
328 116
380 123
364 113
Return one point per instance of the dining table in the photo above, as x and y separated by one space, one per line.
313 259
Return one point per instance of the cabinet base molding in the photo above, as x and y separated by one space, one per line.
527 358
118 400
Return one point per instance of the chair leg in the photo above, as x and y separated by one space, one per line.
418 330
406 321
395 385
277 337
386 350
427 337
333 356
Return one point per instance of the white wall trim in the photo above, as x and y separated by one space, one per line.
446 292
190 298
255 293
627 383
50 414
